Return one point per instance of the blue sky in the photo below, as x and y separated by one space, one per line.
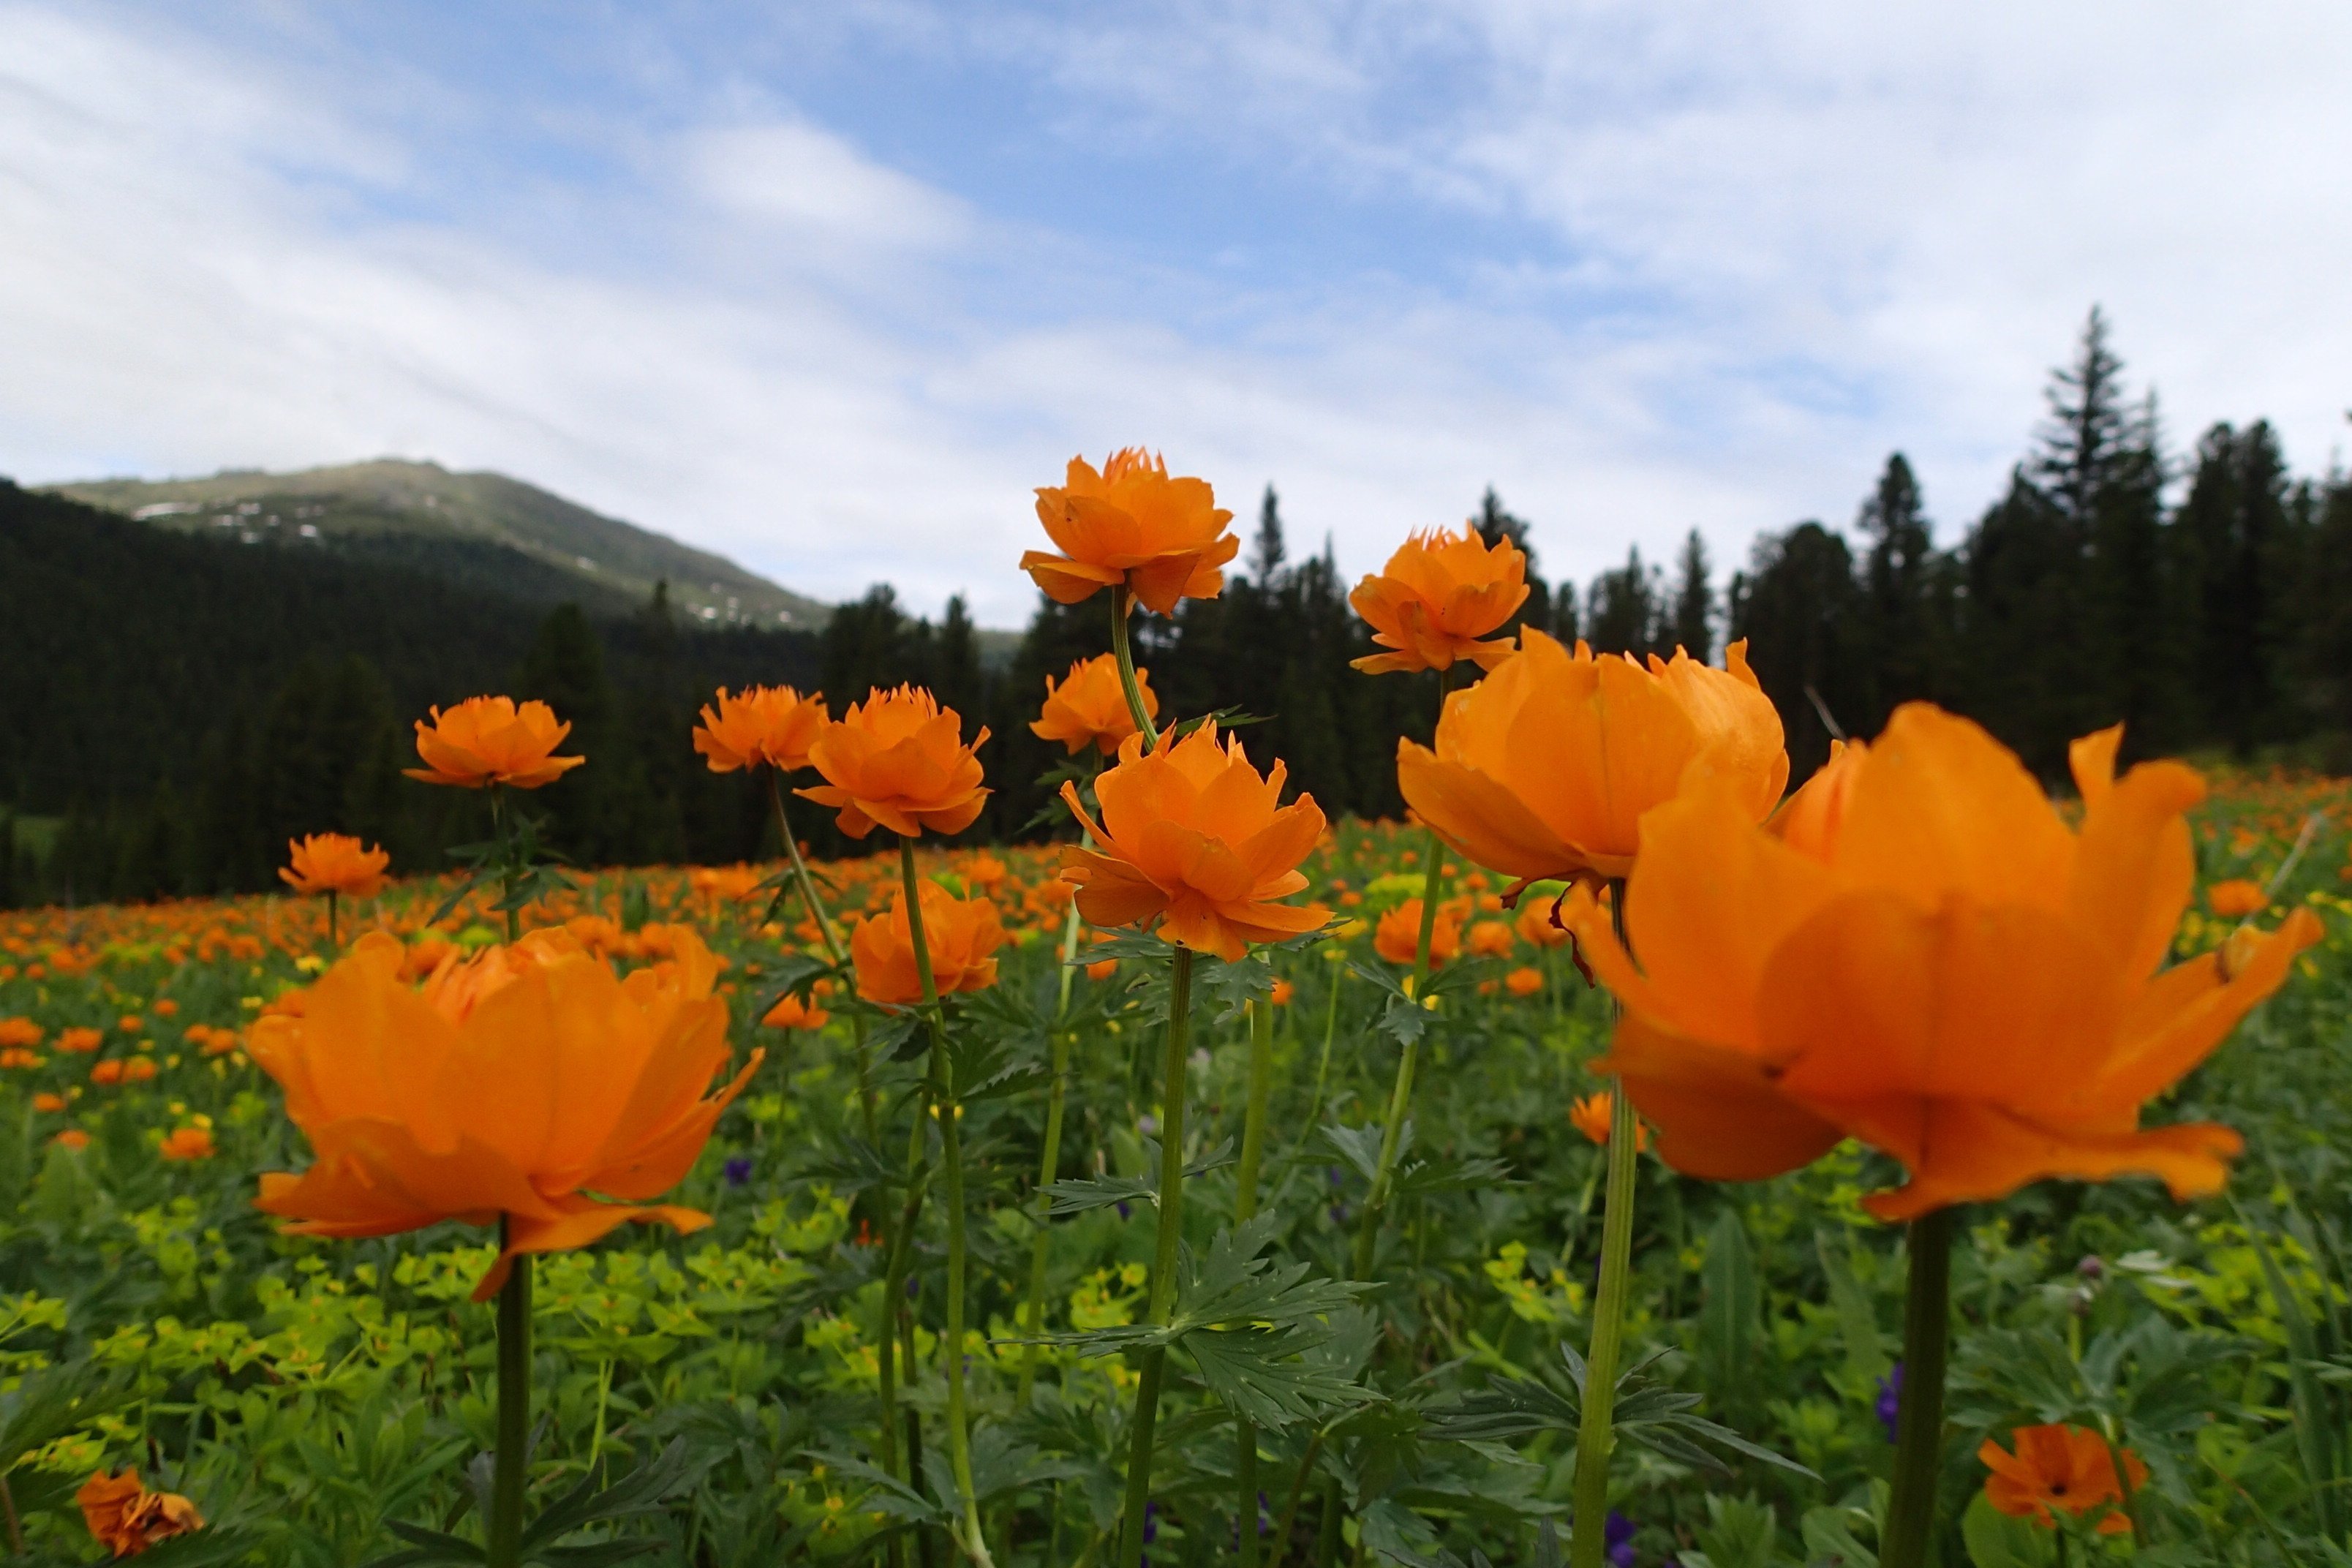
831 288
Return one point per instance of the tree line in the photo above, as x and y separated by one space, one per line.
175 709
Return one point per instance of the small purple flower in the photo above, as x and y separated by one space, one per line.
1333 1172
737 1170
1124 1211
914 1288
1890 1400
1617 1538
1150 1523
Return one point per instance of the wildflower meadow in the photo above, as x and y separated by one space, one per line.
1640 1156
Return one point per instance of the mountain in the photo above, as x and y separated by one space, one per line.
482 530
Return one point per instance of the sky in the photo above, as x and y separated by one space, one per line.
831 288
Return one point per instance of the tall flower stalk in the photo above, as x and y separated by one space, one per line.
1376 1201
511 1462
1596 1437
1260 1081
1919 1410
1144 1427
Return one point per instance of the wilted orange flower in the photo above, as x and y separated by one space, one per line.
1524 981
1950 974
1439 594
517 1083
2068 1467
790 1012
489 741
1398 936
1545 767
334 863
1193 837
127 1518
771 724
961 935
1595 1114
2236 899
898 760
80 1038
1090 707
1164 538
19 1032
187 1143
1490 938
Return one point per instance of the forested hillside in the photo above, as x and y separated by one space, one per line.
2203 598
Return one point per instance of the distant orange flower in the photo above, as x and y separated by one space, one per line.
771 724
1165 539
1490 938
19 1032
1595 1115
187 1143
1947 972
517 1083
127 1518
985 872
131 1023
1545 767
48 1104
728 884
790 1012
334 863
106 1073
899 761
1283 991
1192 837
1524 981
164 1008
2236 899
487 741
138 1069
1398 936
1535 925
1439 594
72 1137
80 1038
961 934
2054 1467
1090 707
18 1056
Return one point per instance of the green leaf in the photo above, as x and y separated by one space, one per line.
1828 1537
1729 1313
1865 1352
1738 1533
1995 1540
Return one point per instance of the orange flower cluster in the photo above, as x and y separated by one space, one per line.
1397 937
1439 594
515 1085
1130 525
1545 768
770 724
961 934
334 863
899 761
486 741
1926 957
1090 707
2058 1470
127 1518
1194 838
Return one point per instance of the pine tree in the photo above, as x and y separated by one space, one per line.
1899 632
1694 603
1267 551
1495 524
1799 606
1622 608
2237 542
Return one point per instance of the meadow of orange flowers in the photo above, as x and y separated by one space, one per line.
1217 1182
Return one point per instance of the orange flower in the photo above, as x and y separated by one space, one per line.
1595 1114
517 1083
771 724
1283 991
1398 936
187 1143
1950 974
334 863
1164 538
1439 594
1490 938
1193 837
727 884
1090 707
1535 924
80 1038
19 1032
1544 768
126 1517
48 1104
2236 899
1810 820
2068 1467
107 1073
959 934
898 760
18 1056
1524 981
790 1012
490 740
985 870
138 1069
164 1008
72 1137
131 1023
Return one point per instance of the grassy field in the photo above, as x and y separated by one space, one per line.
303 1394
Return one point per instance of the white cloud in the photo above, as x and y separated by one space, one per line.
811 183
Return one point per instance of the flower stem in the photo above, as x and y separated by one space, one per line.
1376 1201
1049 1162
1596 1435
507 870
1261 1076
1122 604
1163 1256
799 868
1919 1415
511 1462
333 946
944 1105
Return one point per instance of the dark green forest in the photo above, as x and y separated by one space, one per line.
172 708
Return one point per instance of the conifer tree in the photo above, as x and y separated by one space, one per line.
1692 628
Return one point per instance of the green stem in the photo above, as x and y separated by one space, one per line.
1122 604
1596 1435
510 1463
799 868
1376 1202
1049 1163
1261 1076
945 1106
1330 1028
332 945
1919 1420
1163 1256
506 870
